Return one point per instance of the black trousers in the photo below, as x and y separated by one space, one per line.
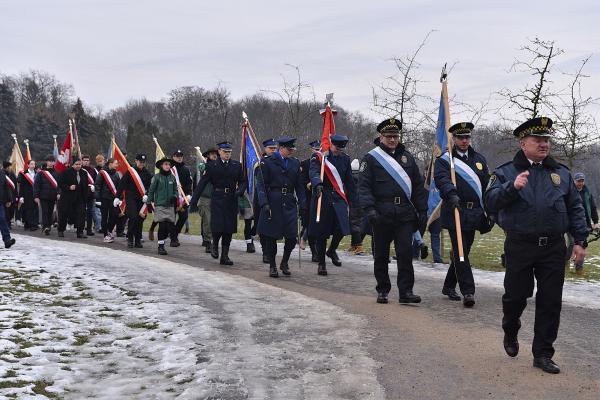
321 245
90 212
28 214
524 261
135 222
164 229
71 211
47 211
109 216
461 271
401 234
182 216
217 236
248 229
271 247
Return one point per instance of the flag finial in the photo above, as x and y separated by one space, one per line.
444 75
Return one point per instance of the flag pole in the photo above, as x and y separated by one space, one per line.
322 173
179 188
459 239
255 142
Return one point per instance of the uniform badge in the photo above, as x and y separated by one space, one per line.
492 180
479 166
555 179
404 159
363 166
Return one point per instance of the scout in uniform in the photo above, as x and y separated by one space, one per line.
537 203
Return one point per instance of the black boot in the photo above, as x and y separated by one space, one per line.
161 250
287 252
313 251
409 298
138 244
130 243
214 252
273 269
225 256
174 242
80 235
208 248
250 248
90 232
8 243
335 260
322 270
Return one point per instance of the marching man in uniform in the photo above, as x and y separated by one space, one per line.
472 177
394 200
537 203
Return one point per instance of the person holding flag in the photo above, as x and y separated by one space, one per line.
269 148
107 182
394 200
472 175
337 192
7 187
45 190
184 181
26 199
73 189
162 194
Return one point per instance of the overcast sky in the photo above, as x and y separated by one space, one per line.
112 51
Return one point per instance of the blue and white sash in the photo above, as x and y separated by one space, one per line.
467 173
394 169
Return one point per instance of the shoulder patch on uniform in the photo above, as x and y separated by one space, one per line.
404 159
492 180
363 166
479 166
555 179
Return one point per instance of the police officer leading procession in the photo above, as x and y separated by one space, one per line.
532 198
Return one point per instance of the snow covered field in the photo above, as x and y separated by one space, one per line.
79 322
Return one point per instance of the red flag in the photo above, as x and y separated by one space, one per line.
27 157
328 128
118 155
66 152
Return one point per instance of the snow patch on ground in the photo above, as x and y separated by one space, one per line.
79 321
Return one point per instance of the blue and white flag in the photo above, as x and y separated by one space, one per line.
250 158
441 142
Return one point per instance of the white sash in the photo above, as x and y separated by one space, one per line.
393 168
468 175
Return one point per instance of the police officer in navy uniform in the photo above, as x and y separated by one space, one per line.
467 199
229 183
280 196
315 146
392 214
537 203
334 220
270 147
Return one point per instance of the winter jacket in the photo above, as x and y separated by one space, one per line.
42 186
103 191
163 189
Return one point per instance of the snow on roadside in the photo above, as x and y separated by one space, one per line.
80 321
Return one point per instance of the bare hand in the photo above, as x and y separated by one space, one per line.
578 254
72 187
7 205
37 201
521 180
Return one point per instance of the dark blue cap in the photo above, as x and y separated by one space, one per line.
286 141
224 145
315 144
269 143
339 140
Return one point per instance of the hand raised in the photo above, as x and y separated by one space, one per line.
521 180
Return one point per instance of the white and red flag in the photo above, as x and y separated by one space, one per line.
65 155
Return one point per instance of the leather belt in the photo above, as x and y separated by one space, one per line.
395 200
225 190
469 205
284 190
540 240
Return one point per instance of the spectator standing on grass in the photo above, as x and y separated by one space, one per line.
591 213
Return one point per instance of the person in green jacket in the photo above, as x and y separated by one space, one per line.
163 195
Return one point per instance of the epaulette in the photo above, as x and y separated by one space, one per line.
505 164
564 166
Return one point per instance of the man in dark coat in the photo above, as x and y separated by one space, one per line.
393 197
90 202
7 187
73 189
315 147
227 178
45 189
107 183
472 177
184 180
26 199
338 193
280 195
536 202
270 147
134 198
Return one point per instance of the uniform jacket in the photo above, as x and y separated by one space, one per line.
67 178
331 201
280 186
103 191
185 177
228 184
25 188
163 189
472 216
548 205
42 187
377 189
128 187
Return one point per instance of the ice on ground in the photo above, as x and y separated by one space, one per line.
79 321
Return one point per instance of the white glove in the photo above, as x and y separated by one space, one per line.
21 200
117 202
98 204
92 188
596 226
145 198
188 198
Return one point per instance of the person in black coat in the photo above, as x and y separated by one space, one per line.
472 177
315 146
227 178
26 200
90 203
280 197
134 200
10 210
270 147
185 180
45 189
395 208
107 183
72 186
6 197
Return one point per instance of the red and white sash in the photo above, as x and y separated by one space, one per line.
334 177
109 182
90 180
10 182
27 177
50 178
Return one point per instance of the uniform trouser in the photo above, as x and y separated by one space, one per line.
90 212
271 247
248 230
182 217
135 224
217 236
47 211
401 234
524 261
120 221
109 216
461 271
71 212
204 211
4 224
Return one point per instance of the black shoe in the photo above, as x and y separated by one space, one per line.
208 248
409 298
225 256
322 269
546 364
285 269
8 243
61 234
382 298
451 293
469 300
250 248
138 245
130 244
314 258
424 252
265 259
90 233
511 345
273 269
174 243
205 243
120 234
161 250
335 260
33 228
81 236
214 252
